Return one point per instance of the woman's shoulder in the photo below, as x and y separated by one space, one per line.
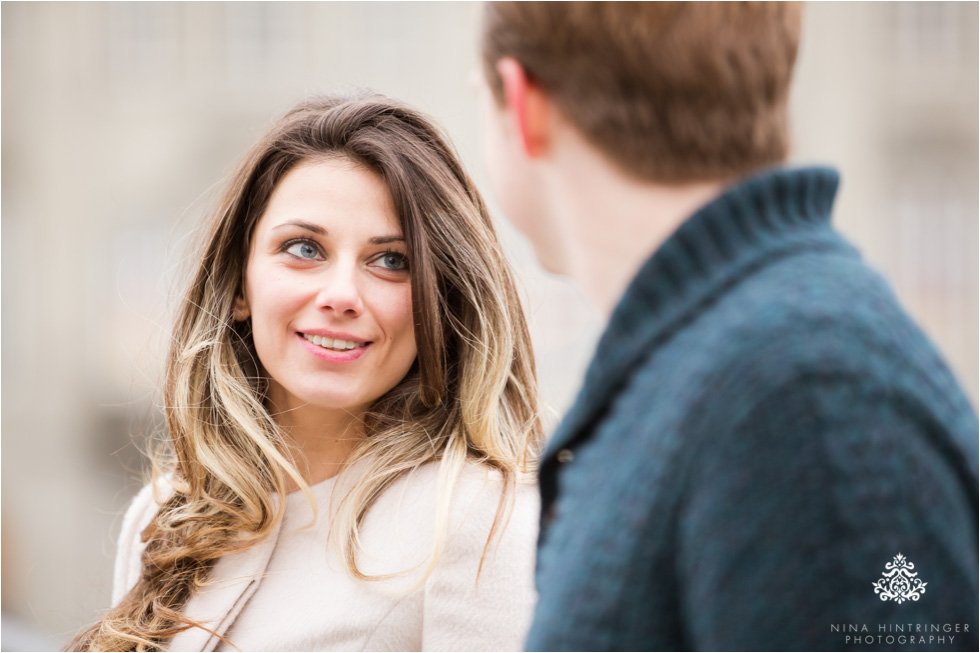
154 493
142 509
470 473
472 492
465 502
146 504
480 594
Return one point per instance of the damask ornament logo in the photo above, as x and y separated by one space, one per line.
899 583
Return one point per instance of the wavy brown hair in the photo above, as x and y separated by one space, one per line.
470 396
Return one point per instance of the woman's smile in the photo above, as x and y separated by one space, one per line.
333 350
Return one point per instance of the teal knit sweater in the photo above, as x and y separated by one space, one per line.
761 431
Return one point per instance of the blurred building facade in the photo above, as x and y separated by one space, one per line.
121 119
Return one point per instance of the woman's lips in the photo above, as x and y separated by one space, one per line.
329 354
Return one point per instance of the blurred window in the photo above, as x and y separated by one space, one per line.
144 42
928 32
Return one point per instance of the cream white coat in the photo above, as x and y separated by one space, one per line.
292 593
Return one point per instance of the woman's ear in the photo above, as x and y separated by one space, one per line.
240 311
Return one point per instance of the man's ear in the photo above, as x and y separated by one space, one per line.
529 107
240 311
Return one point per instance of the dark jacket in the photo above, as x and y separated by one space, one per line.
761 432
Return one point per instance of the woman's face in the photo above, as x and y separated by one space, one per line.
327 287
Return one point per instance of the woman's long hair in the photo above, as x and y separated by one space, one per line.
470 396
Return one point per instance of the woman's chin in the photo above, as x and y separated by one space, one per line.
333 403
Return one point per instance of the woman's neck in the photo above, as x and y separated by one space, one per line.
320 439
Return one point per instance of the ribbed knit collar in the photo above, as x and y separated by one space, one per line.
776 210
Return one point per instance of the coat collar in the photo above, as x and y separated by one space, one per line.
775 212
218 604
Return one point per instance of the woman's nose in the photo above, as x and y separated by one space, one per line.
339 291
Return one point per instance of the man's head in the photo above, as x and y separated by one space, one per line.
669 92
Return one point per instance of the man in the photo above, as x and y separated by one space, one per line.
767 453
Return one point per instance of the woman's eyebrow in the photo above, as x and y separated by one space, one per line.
384 240
320 231
315 228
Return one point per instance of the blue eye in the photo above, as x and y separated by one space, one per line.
393 261
303 249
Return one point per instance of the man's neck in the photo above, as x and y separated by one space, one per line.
616 222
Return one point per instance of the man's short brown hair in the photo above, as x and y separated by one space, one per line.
670 91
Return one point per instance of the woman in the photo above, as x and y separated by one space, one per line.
351 363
